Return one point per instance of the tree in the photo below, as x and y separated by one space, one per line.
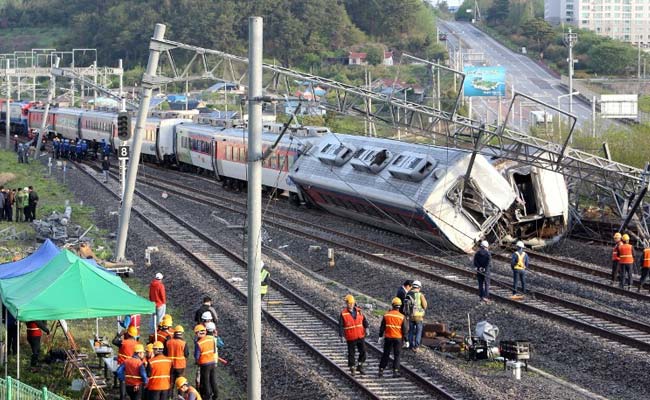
611 57
540 31
375 55
498 12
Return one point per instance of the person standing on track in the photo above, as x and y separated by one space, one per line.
354 327
482 263
391 334
626 260
106 165
519 263
645 265
615 259
265 279
416 306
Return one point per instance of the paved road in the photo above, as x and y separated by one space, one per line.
521 72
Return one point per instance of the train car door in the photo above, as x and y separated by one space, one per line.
214 152
158 155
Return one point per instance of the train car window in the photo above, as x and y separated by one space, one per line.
206 147
359 152
235 154
398 160
274 161
326 148
414 162
242 154
228 152
369 156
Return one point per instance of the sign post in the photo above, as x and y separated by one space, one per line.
123 156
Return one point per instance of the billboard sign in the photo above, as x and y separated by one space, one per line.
484 81
619 106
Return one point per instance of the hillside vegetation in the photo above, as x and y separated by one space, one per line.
296 32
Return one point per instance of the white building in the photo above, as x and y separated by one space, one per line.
626 20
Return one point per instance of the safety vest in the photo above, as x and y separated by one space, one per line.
353 328
625 254
615 252
176 351
162 336
132 375
646 258
208 349
33 330
393 320
264 288
126 350
521 260
191 390
160 367
418 311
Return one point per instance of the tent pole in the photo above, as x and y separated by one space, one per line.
18 349
155 329
6 341
97 328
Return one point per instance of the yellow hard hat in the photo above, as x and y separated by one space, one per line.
149 348
132 331
166 318
349 299
617 235
180 382
396 301
179 329
138 348
158 345
626 238
199 327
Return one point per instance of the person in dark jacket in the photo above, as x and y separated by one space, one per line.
33 202
106 165
482 263
403 291
205 307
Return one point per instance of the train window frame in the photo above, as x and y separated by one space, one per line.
242 154
273 161
235 154
228 152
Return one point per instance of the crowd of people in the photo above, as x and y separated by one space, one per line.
80 149
401 327
17 204
623 262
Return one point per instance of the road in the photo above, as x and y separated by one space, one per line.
522 73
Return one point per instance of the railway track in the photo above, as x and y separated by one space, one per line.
304 322
609 326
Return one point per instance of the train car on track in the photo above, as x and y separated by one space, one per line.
19 116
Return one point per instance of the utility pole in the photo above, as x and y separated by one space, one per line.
570 39
147 86
638 73
8 105
255 43
50 96
593 116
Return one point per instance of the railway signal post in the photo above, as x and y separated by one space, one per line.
8 111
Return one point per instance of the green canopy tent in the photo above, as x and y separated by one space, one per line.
70 288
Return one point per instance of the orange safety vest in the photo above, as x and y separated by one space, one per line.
191 389
646 258
208 350
33 330
393 320
126 350
176 351
615 252
353 328
625 254
132 371
160 378
163 336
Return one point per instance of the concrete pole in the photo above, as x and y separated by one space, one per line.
559 119
50 96
8 112
95 82
438 85
638 73
72 92
593 117
143 110
119 65
34 88
499 111
19 94
469 108
255 43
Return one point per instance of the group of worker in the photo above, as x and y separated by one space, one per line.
152 371
20 203
401 326
623 262
483 263
79 149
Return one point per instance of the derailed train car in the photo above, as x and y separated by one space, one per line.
422 191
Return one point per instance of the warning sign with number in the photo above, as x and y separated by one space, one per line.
123 152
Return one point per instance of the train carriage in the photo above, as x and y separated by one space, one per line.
98 126
35 119
67 122
19 112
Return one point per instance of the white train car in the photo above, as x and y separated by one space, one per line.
98 125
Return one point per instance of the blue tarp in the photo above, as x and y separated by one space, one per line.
32 262
36 260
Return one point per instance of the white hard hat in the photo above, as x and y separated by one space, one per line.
159 275
417 284
206 316
520 244
485 244
210 326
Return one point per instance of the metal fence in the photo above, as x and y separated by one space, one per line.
12 389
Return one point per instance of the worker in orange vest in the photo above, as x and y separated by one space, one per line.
177 350
133 374
615 259
205 353
186 391
126 342
645 266
354 327
164 330
393 329
35 330
626 260
159 371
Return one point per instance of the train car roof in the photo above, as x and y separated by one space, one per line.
237 133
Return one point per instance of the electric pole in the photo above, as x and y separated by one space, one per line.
570 39
8 105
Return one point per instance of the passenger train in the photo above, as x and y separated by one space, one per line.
414 189
18 115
